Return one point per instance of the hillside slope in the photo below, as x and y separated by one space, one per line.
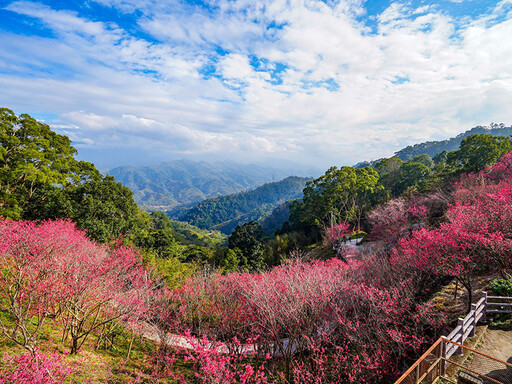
225 212
170 184
432 148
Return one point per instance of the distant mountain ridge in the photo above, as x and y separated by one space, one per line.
432 148
224 213
167 185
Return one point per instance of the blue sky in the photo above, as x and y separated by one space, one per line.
315 82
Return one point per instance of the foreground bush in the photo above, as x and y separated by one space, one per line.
34 368
312 319
502 287
50 271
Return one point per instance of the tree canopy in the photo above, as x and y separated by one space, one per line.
247 238
41 179
479 151
31 155
340 194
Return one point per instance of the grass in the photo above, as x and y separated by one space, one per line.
502 321
93 363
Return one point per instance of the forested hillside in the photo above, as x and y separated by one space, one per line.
433 148
92 287
170 184
226 212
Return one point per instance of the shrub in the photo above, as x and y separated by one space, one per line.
502 287
37 368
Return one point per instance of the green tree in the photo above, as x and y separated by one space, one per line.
424 159
106 209
388 166
440 158
228 259
31 155
248 239
388 171
479 151
341 195
99 205
411 174
41 179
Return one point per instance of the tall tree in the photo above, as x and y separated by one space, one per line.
247 238
340 194
31 154
410 174
479 151
41 179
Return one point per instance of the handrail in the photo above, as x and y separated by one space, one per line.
477 352
418 362
455 340
500 297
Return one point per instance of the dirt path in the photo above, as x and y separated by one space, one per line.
498 344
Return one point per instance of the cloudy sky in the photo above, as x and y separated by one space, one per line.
316 82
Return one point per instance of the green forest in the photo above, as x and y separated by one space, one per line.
257 203
40 179
82 261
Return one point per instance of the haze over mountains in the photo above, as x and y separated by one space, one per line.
224 213
432 148
222 195
167 185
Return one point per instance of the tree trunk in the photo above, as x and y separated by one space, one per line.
466 282
130 347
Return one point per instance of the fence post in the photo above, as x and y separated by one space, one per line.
484 317
442 356
473 322
460 322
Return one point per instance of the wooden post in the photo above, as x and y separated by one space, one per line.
442 355
484 317
473 322
460 322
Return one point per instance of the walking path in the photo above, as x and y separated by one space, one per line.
498 344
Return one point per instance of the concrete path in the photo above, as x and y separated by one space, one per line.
498 344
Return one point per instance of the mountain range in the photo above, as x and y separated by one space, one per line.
163 187
221 195
224 213
432 148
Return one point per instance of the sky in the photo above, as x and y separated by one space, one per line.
321 83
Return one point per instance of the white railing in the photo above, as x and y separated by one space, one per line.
424 370
466 327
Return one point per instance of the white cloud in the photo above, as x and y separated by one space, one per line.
324 88
236 66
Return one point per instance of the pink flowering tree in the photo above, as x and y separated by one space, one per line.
389 221
29 288
501 171
396 219
34 368
335 237
100 285
475 237
51 270
311 317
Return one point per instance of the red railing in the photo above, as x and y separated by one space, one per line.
431 365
